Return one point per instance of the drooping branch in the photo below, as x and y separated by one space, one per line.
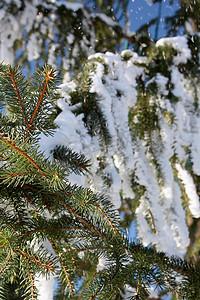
182 188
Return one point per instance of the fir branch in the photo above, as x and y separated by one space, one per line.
48 229
20 151
91 110
102 127
168 117
8 223
72 258
108 282
67 276
116 287
138 287
182 187
83 250
171 286
27 255
12 76
85 222
17 211
48 75
32 283
105 215
46 203
76 162
63 266
18 174
6 263
90 283
80 207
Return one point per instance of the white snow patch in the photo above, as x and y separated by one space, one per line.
180 44
194 204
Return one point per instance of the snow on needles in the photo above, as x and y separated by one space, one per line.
180 44
190 190
114 81
153 164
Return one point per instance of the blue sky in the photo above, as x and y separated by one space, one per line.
140 13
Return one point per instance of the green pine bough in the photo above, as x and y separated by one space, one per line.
46 223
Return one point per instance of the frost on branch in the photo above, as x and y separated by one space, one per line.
137 120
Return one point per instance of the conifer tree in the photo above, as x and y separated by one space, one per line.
122 134
46 222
